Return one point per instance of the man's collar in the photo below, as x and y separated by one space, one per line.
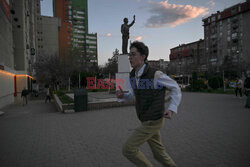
140 72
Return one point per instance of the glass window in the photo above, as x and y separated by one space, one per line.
219 16
213 18
233 11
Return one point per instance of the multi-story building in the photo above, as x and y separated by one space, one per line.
91 48
227 36
48 37
6 55
73 32
159 64
17 47
187 58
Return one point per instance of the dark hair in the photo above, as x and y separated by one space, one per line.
141 47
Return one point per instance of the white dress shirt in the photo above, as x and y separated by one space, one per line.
163 80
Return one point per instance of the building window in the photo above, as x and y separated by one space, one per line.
219 16
213 18
234 35
239 8
234 48
233 11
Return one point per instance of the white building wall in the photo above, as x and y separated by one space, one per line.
7 89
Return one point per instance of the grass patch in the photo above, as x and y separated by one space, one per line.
63 97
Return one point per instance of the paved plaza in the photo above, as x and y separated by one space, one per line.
210 130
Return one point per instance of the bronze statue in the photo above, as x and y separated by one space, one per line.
125 34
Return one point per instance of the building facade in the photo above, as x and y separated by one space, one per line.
48 37
73 33
159 64
18 20
227 37
187 58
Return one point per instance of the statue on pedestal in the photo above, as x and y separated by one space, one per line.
125 34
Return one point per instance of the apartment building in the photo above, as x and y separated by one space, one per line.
73 33
187 58
159 64
17 47
227 36
48 37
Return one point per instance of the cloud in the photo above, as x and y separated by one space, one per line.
109 35
139 38
165 14
105 35
211 2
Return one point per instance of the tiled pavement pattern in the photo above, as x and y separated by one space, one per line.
209 131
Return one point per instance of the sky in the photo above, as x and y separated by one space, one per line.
160 24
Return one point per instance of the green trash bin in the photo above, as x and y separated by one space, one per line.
80 100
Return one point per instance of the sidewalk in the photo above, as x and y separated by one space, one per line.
209 130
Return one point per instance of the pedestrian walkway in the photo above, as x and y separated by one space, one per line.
210 130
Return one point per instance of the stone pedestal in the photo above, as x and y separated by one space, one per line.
124 69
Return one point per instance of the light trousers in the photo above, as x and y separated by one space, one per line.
149 132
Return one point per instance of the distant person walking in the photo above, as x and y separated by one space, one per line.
239 87
24 95
47 94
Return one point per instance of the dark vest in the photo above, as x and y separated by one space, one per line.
149 100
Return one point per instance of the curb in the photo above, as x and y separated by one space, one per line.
1 113
69 108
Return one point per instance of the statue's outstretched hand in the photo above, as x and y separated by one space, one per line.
134 17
